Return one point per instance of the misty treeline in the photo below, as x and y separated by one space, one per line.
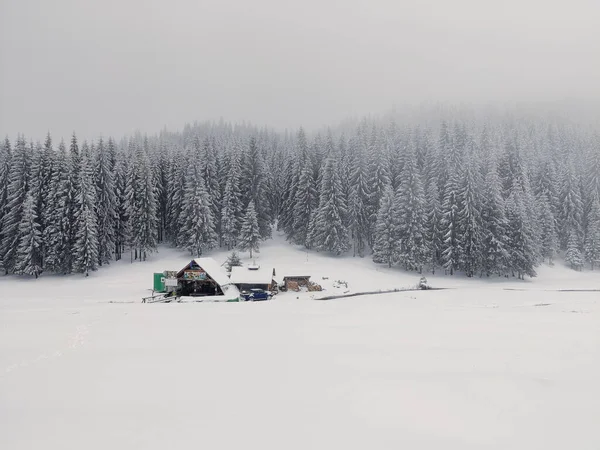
493 196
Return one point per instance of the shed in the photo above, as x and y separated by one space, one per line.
202 277
253 277
296 281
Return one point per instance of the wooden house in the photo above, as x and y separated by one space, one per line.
202 277
253 277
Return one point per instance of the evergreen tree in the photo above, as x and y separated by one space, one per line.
386 248
573 255
520 240
548 235
233 260
304 205
571 212
28 254
5 164
231 214
198 229
18 185
85 247
358 198
434 237
469 216
378 176
208 171
495 253
450 216
329 232
254 184
106 201
250 236
410 207
592 234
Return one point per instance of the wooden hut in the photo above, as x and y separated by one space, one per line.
253 277
202 277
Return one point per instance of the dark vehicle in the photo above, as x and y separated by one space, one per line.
256 295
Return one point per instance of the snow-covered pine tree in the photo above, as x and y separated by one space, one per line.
592 234
231 214
386 248
52 235
358 199
433 215
453 245
106 202
233 260
5 164
410 207
122 234
198 224
208 171
329 232
521 245
378 176
142 204
28 259
305 204
469 215
250 236
495 252
175 197
253 184
18 185
85 246
547 225
571 212
573 255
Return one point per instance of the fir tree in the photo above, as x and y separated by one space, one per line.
18 185
254 184
250 233
199 232
410 204
592 234
495 254
573 255
28 255
469 217
305 204
85 247
450 222
386 248
329 232
521 245
548 235
359 194
106 201
233 260
231 214
5 164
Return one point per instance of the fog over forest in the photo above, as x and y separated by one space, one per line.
113 67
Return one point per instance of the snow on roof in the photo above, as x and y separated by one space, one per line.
214 270
243 275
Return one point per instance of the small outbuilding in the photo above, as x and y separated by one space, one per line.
294 282
253 277
202 277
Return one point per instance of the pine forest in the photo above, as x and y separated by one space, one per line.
443 190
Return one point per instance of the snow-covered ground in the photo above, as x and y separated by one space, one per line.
85 365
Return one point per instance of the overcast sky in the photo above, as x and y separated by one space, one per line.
113 66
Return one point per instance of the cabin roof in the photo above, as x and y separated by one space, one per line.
244 275
212 268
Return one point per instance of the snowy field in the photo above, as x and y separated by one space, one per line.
486 365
